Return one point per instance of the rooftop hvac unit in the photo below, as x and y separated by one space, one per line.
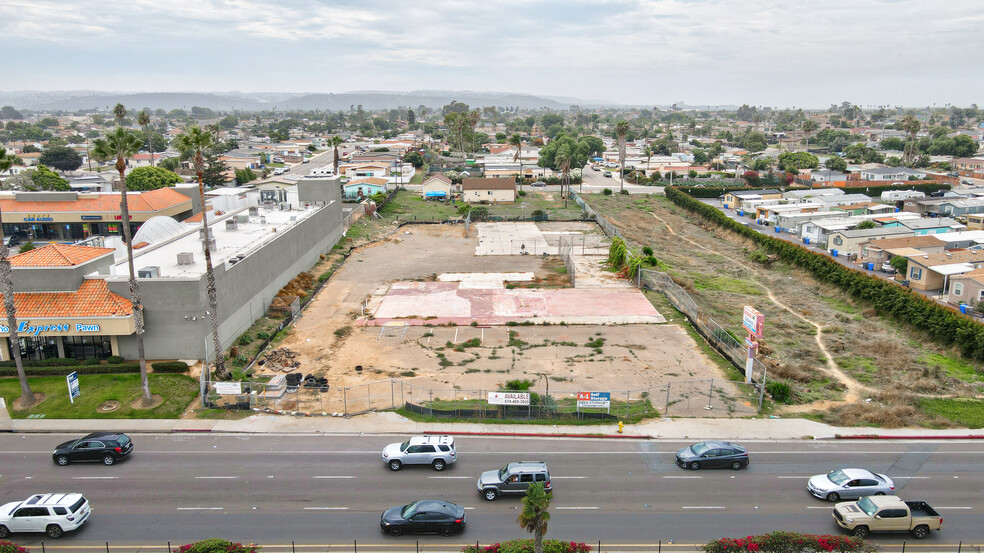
269 204
232 224
186 258
149 272
263 220
284 206
201 235
242 219
211 245
293 218
254 211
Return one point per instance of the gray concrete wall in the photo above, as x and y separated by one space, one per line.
319 189
244 291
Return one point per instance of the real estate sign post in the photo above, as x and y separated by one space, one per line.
73 386
754 322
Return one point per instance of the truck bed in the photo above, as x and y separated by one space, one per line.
921 509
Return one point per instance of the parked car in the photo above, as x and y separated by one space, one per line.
436 451
849 484
107 447
887 268
538 183
51 513
513 478
279 171
595 168
713 454
424 516
608 174
887 514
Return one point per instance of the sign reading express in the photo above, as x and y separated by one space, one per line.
25 327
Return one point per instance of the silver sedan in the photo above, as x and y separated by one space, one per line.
850 484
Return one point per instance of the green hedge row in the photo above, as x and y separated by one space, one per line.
946 325
56 362
789 542
169 367
81 369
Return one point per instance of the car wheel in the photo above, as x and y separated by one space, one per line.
396 531
438 464
833 496
54 531
920 532
4 533
109 460
447 531
694 465
860 532
395 465
62 460
490 494
736 465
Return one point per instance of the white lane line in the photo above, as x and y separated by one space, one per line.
568 477
469 508
791 477
199 508
831 507
452 477
682 477
578 508
960 508
702 507
910 477
332 477
216 477
94 477
326 508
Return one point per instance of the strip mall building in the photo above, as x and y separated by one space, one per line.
74 301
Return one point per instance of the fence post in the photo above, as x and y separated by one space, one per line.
292 549
355 546
667 408
107 547
392 394
627 399
710 391
430 401
344 402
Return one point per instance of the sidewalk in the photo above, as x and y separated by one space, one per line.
391 423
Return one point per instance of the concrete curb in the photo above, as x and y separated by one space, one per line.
908 437
545 435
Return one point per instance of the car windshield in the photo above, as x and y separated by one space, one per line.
409 510
405 445
503 472
837 477
868 506
699 449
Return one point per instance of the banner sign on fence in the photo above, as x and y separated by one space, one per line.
229 388
753 321
594 399
73 386
509 398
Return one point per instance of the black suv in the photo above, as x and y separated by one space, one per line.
107 447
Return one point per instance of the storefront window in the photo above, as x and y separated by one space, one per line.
88 347
37 348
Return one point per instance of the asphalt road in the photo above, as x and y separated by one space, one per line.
319 490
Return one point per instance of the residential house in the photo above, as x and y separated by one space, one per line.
829 202
365 170
969 166
792 222
927 206
829 178
966 288
240 162
436 187
30 158
975 221
933 225
901 195
769 213
802 194
846 242
143 160
961 206
882 251
488 190
864 208
969 239
933 271
886 174
363 188
733 199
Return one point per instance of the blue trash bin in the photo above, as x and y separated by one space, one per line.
741 213
963 308
833 253
871 266
806 240
778 230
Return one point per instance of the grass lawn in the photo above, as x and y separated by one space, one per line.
178 391
566 407
965 412
957 368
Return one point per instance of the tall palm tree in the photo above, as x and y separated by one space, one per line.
7 284
911 126
143 119
621 131
516 141
808 127
199 141
120 145
562 161
534 516
119 112
335 142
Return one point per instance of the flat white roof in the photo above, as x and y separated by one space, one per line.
953 268
247 238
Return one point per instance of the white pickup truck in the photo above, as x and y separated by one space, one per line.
887 513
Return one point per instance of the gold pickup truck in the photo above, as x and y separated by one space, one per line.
887 513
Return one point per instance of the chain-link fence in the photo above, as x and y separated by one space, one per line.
713 397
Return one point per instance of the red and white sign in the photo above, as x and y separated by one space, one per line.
509 398
753 321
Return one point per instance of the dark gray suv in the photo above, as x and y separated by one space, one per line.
513 478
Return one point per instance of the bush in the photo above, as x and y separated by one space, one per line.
607 192
526 546
262 335
11 547
624 192
245 340
215 545
91 362
169 367
779 390
788 542
646 250
81 369
114 360
519 385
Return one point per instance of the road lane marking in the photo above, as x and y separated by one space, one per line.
332 477
831 507
326 508
682 477
94 477
452 477
791 477
961 508
469 508
569 477
910 477
702 507
216 477
578 508
200 508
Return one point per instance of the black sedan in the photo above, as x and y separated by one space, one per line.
424 516
104 447
713 455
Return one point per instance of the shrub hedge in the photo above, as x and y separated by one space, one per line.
81 369
945 324
526 546
789 542
216 545
11 547
169 367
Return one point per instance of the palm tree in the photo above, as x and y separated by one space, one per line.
335 142
911 126
120 145
808 127
143 119
534 516
7 284
621 130
516 141
199 141
562 161
119 112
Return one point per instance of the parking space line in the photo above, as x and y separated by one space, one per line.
200 508
333 477
681 477
568 477
216 477
94 477
450 477
578 508
326 508
702 507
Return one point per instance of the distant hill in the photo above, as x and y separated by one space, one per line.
370 100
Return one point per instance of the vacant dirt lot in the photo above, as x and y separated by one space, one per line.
844 361
330 342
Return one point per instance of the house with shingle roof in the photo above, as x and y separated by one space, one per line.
489 190
932 271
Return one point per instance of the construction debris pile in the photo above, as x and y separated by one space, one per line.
280 359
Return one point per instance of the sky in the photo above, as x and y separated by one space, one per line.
794 53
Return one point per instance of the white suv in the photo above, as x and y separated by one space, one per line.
51 513
436 451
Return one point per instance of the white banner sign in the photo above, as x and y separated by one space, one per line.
509 398
229 388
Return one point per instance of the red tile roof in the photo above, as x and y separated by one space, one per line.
151 200
93 299
58 255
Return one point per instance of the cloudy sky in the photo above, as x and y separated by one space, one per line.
801 53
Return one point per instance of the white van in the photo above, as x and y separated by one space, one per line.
51 513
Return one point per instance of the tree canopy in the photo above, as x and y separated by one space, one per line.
62 158
43 178
580 150
798 160
150 178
